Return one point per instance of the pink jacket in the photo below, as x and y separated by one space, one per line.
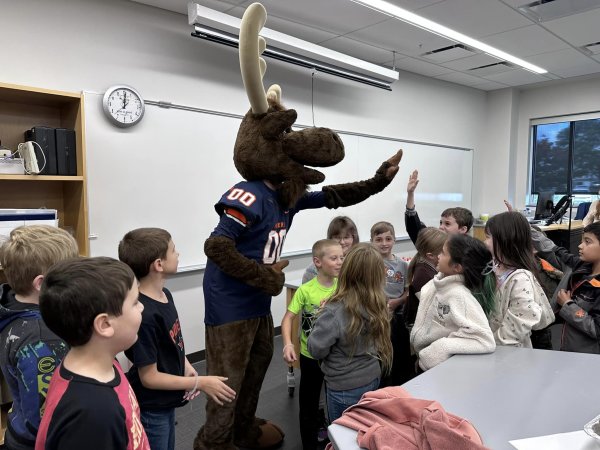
390 419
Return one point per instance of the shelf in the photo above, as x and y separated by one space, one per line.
41 177
21 108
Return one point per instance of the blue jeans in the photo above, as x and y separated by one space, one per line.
338 401
159 425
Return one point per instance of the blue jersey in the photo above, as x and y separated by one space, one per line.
252 217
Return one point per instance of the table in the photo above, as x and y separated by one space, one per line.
513 393
561 236
290 289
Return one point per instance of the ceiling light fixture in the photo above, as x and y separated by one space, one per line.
426 24
222 28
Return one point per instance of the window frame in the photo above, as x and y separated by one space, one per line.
570 119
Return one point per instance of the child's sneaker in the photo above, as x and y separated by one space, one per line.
323 436
323 424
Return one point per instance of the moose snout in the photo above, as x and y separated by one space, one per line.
317 147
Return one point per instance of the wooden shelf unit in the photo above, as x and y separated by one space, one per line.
22 108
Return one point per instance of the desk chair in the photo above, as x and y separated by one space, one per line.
582 210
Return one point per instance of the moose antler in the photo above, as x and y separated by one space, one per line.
252 66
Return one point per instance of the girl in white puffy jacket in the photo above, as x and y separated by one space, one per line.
521 305
452 315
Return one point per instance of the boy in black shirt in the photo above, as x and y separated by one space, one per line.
91 303
162 377
452 220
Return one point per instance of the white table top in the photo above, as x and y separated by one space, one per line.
513 393
293 284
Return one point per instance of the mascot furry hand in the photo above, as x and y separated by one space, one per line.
243 269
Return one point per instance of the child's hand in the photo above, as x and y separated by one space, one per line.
509 207
191 395
214 387
190 372
393 303
289 354
563 297
413 181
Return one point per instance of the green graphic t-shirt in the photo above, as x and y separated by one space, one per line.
306 302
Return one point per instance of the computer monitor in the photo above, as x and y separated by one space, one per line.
545 205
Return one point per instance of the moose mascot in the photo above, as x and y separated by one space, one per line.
243 270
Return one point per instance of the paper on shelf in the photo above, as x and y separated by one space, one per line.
13 218
576 440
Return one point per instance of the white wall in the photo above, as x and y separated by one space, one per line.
492 162
89 45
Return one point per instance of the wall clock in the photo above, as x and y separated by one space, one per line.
123 106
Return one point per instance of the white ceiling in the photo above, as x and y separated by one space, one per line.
342 25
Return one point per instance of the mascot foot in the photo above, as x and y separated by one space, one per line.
199 444
266 436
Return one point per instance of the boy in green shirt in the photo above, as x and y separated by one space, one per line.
327 257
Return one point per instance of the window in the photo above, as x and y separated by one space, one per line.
566 157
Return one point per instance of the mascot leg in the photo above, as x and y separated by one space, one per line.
229 350
227 354
250 431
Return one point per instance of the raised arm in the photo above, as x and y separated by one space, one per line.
413 182
551 252
412 222
348 194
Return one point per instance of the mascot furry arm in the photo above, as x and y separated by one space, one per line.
268 149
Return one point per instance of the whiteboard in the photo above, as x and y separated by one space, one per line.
170 169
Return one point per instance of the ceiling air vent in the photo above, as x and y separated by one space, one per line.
448 53
545 10
491 69
592 49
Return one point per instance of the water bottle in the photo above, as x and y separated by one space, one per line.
291 381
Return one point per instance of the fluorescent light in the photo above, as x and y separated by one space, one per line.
426 24
223 28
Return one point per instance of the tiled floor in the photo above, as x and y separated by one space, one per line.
274 404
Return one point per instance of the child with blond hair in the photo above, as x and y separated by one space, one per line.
30 351
351 336
327 258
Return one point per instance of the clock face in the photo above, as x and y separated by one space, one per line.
123 106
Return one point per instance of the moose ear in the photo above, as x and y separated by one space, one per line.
276 122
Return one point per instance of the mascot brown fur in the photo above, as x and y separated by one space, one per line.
243 269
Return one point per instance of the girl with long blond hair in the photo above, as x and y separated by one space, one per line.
351 336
